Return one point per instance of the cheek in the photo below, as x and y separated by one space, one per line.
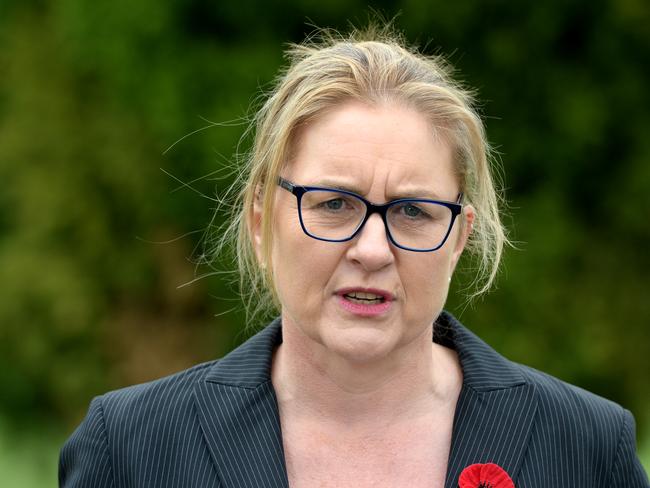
302 266
426 285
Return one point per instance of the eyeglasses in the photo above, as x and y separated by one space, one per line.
414 224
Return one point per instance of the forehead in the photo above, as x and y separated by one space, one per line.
386 151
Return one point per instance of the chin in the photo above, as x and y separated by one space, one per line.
360 344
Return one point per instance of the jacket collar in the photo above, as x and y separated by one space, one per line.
483 368
496 407
238 410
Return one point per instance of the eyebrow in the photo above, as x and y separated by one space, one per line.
412 192
336 185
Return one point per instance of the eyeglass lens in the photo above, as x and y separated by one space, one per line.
332 215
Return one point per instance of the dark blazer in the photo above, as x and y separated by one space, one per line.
217 425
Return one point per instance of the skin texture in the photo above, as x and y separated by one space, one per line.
365 383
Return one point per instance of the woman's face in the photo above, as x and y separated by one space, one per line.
382 153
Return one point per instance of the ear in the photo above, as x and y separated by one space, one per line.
466 218
255 224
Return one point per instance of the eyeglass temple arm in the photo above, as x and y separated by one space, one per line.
287 185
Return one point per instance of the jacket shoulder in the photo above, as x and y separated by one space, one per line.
598 433
559 398
155 399
138 429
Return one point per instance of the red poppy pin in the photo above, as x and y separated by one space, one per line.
488 475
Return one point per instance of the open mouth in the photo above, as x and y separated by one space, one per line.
365 302
364 298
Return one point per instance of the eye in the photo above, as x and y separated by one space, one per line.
334 204
412 211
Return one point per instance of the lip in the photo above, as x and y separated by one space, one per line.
386 295
363 310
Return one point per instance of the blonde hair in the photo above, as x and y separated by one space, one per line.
372 66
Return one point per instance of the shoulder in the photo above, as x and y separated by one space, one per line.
145 411
172 392
593 430
169 393
569 409
575 414
106 449
154 413
559 399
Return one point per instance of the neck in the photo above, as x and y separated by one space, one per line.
314 383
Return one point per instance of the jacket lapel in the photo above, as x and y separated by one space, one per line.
495 410
238 412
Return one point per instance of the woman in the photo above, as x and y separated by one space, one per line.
368 179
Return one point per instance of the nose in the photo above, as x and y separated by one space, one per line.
371 248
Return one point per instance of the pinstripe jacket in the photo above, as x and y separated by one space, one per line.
217 425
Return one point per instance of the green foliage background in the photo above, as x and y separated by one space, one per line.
95 238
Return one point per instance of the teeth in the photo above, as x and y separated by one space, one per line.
364 296
365 302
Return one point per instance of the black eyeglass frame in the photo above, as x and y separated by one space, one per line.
455 207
